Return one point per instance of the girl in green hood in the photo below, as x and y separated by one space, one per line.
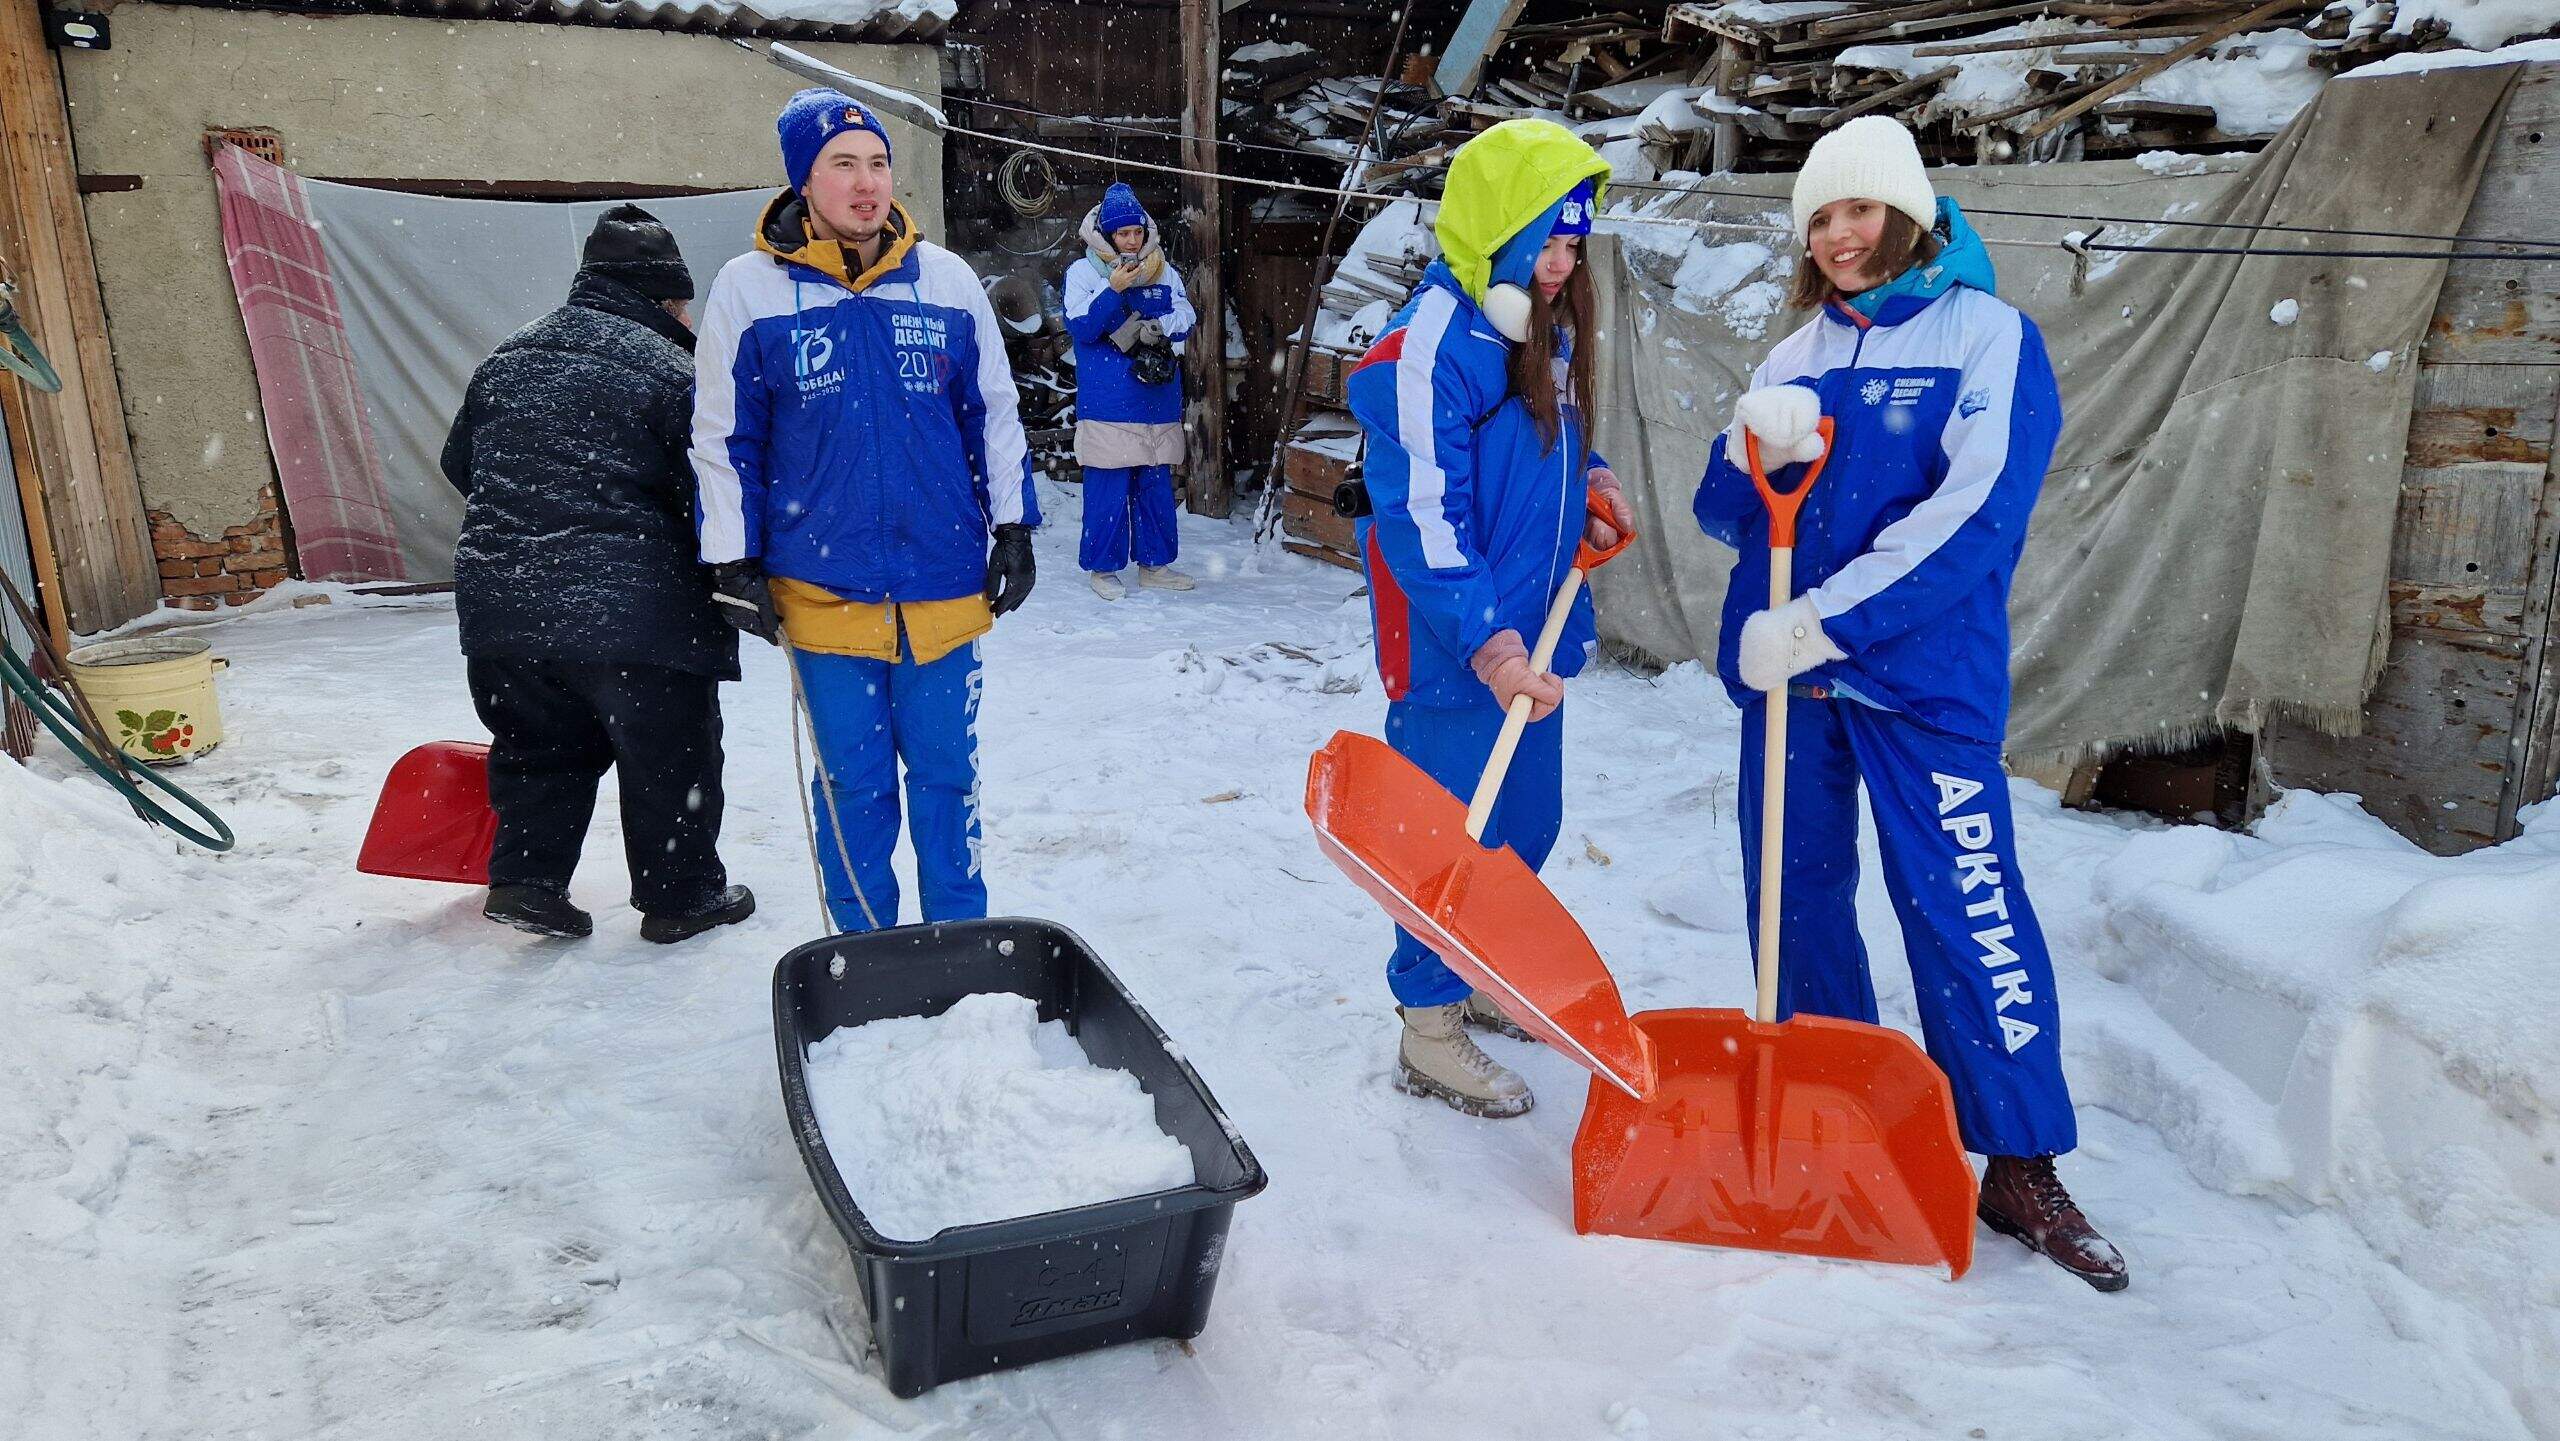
1480 475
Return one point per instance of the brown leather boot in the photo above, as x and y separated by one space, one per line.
2022 1197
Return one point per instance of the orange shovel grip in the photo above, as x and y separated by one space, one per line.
1585 558
1783 504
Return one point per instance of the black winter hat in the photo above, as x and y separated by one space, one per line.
629 245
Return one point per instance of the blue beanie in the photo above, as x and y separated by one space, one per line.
1120 209
1574 217
811 119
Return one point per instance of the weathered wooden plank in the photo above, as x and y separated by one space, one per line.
2433 762
2508 311
2516 196
2466 525
2162 112
2464 414
2480 442
2497 312
46 594
2472 527
2536 747
1480 32
1326 371
1317 552
2466 609
1312 518
1315 471
93 503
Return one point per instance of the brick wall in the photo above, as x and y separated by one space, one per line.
200 573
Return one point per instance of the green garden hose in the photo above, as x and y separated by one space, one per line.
18 351
58 718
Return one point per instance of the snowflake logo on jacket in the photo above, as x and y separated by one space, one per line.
1872 392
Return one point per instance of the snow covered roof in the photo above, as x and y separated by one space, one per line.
867 20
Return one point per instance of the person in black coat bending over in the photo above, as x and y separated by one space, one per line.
587 621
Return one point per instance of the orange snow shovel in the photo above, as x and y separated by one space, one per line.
433 821
1817 1136
1419 852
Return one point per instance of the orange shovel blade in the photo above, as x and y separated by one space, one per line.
1404 840
1814 1136
433 821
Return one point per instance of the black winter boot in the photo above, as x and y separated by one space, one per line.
538 910
2022 1197
734 904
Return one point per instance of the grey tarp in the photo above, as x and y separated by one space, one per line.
2212 543
429 286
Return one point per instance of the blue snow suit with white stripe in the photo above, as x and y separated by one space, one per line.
1946 415
1474 524
1120 421
858 432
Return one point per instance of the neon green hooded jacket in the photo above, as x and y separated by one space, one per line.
1504 185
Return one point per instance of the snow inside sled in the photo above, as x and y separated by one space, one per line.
980 1298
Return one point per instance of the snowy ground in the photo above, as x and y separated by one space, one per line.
288 1151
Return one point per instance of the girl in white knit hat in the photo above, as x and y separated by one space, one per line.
1944 416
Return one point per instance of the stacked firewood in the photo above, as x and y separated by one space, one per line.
1751 84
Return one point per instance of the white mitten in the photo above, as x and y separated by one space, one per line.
1779 645
1786 418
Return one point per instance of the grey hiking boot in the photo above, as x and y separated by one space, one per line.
1438 1059
1106 584
1165 577
1480 1013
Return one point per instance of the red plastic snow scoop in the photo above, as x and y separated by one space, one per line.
1413 846
433 821
1817 1136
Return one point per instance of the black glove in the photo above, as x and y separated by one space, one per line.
1009 571
744 600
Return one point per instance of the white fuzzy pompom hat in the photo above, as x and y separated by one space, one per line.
1871 158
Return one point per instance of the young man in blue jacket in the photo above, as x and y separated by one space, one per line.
1129 315
855 436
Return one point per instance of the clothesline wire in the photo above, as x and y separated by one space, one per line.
2538 249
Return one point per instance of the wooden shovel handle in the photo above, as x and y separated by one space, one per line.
1516 720
1783 506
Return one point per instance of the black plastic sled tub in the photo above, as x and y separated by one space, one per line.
985 1297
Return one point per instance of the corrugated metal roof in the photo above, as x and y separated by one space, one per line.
875 21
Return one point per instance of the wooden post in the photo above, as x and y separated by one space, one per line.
1732 64
40 554
75 444
1212 488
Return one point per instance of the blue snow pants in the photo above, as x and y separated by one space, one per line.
1450 745
870 717
1980 972
1119 502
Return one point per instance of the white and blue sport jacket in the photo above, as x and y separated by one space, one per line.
1107 387
1475 519
859 437
1945 417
